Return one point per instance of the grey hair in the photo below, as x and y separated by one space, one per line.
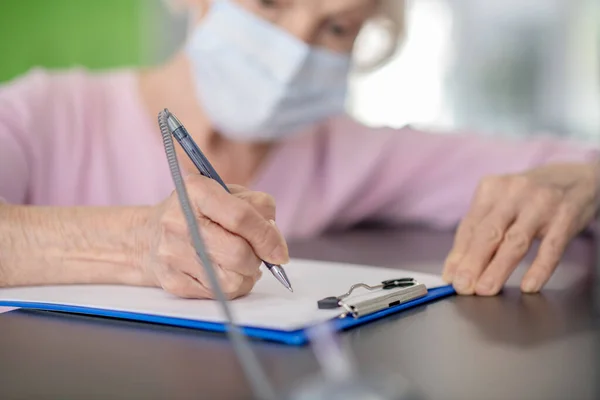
389 20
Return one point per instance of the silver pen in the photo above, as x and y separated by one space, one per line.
206 169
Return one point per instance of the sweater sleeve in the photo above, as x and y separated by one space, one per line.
16 98
415 176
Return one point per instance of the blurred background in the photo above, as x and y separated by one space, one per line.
507 67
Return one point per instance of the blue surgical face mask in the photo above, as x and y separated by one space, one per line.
256 82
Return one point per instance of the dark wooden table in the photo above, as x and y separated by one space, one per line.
512 346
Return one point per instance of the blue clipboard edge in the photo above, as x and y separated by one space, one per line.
293 338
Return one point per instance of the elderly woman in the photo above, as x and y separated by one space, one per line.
261 85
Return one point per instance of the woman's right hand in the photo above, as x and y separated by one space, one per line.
238 230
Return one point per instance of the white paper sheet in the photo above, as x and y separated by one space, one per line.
269 305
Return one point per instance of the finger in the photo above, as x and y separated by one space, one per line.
225 250
189 279
244 288
230 280
551 249
485 241
462 239
235 189
234 285
182 285
531 223
262 202
229 251
514 247
239 217
482 204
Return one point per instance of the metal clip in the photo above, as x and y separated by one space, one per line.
410 289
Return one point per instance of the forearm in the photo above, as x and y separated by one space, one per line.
464 161
52 245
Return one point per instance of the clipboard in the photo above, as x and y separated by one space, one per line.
359 303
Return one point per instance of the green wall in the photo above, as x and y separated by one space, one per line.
63 33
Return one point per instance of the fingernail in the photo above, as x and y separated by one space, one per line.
462 281
485 286
272 222
280 255
530 285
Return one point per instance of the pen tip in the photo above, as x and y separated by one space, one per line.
291 290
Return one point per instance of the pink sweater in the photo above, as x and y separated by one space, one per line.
78 138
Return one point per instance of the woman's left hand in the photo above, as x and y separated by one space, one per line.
553 203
